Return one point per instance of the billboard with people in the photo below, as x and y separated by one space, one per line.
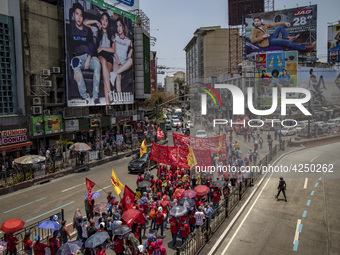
323 83
333 44
283 30
99 54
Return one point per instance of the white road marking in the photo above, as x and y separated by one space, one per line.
104 188
73 187
306 182
296 237
314 158
244 219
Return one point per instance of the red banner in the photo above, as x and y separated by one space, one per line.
89 186
128 198
216 145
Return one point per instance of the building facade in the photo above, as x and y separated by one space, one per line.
173 83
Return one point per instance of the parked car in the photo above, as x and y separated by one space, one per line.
175 122
168 124
334 130
201 134
173 117
288 131
190 124
301 126
138 165
333 122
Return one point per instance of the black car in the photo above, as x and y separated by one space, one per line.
138 165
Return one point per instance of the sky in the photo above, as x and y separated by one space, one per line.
173 22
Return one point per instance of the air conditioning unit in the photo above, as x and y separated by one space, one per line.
55 69
45 72
36 110
46 83
47 112
36 101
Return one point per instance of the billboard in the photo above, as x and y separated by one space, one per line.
51 124
153 71
284 30
275 69
99 54
237 10
324 84
333 43
123 5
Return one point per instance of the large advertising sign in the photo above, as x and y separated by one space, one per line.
275 69
99 54
49 124
123 5
284 30
323 83
333 45
13 136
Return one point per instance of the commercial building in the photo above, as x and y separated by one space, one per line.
174 82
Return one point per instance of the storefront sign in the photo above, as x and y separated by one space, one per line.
125 119
139 127
49 124
13 136
72 125
95 123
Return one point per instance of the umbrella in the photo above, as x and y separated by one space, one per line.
144 184
80 147
12 225
3 246
190 193
132 215
70 247
101 207
201 190
48 224
178 194
187 202
96 239
29 159
95 194
219 183
121 230
178 211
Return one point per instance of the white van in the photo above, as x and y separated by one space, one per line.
333 122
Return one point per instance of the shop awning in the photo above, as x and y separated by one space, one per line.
13 146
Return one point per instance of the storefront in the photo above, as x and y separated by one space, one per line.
13 144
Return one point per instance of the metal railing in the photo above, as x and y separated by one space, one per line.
197 240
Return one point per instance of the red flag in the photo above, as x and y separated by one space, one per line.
160 134
89 185
128 198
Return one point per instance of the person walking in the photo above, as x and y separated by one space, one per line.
64 234
281 187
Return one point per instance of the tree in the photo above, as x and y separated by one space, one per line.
158 98
183 89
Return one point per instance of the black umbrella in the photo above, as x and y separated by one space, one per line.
69 248
186 202
219 183
96 239
121 230
144 184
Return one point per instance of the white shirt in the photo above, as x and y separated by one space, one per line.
122 47
47 153
199 218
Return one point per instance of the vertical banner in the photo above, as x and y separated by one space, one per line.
146 64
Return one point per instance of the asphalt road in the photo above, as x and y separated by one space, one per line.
308 223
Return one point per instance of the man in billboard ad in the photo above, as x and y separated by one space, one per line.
292 29
323 83
334 43
98 55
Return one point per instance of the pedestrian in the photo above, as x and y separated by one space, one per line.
184 230
255 156
12 242
28 245
260 142
281 187
160 217
174 228
77 220
199 216
91 229
64 234
270 144
149 244
54 243
159 248
118 245
152 217
38 247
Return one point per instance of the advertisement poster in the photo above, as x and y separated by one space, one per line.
283 30
99 54
323 83
51 124
71 125
333 43
275 69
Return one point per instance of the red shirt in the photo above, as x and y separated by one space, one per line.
184 230
216 196
54 242
27 245
39 248
160 218
118 245
165 205
192 219
174 226
11 240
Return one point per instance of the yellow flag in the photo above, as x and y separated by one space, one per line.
143 149
191 158
219 144
117 185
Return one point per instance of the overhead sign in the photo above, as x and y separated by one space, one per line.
13 136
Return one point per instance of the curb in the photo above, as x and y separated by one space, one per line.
232 223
